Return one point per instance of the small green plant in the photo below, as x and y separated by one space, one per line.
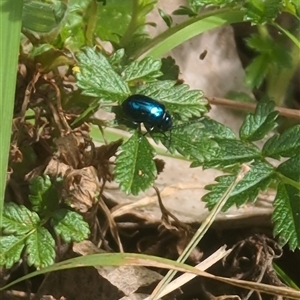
58 34
27 231
204 141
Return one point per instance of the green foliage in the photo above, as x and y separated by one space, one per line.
286 144
167 18
276 62
147 69
260 12
24 231
69 225
135 170
138 173
286 215
10 26
272 57
43 17
258 178
106 83
256 126
56 29
205 142
262 173
178 99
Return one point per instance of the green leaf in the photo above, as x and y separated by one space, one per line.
178 99
257 70
191 141
75 18
10 28
230 152
114 18
147 69
257 125
259 43
43 17
70 225
11 247
43 195
217 130
291 168
167 18
184 31
17 219
262 11
287 144
97 78
184 10
273 51
286 216
135 169
216 3
40 248
258 178
293 7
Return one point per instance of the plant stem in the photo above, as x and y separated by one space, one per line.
279 80
287 180
10 30
133 25
180 33
91 15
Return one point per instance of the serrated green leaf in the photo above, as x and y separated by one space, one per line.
191 141
259 43
146 69
11 247
43 195
262 11
291 168
217 130
230 152
97 78
286 216
287 144
258 178
135 169
274 52
257 125
179 100
257 70
40 248
70 225
17 219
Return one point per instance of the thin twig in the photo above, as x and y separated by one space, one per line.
286 112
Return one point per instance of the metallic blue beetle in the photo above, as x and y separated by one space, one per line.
143 109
